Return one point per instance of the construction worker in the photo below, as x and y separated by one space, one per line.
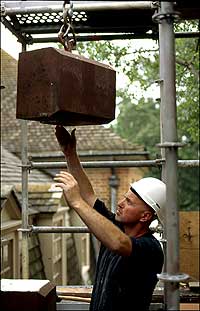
130 257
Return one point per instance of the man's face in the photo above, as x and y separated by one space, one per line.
131 209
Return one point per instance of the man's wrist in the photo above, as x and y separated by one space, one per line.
78 204
70 155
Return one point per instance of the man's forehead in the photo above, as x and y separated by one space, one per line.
132 196
135 199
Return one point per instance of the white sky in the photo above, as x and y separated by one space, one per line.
10 44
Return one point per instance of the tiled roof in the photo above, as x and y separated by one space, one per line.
42 197
11 170
7 191
41 138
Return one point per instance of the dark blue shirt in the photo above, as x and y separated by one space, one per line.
126 282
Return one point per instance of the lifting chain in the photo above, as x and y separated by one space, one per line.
67 28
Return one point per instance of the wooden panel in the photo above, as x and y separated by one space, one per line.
189 243
189 306
189 262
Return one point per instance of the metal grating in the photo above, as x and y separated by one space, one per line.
27 19
49 18
39 18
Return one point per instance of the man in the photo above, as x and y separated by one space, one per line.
130 257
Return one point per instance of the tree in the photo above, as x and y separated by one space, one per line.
138 118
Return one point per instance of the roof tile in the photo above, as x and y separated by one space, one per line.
11 172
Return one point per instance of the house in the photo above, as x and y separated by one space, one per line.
94 143
10 222
50 256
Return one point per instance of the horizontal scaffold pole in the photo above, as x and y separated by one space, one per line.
22 7
122 36
105 164
53 229
98 164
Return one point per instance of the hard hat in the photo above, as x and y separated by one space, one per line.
152 191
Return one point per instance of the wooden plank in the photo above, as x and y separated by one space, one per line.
74 291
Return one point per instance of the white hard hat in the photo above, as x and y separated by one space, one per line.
152 191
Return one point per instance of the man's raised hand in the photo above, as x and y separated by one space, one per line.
66 140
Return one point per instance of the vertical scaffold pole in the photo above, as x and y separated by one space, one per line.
24 157
165 17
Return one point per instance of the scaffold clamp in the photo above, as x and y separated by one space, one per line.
175 278
171 145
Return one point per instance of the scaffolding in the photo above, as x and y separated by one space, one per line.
162 15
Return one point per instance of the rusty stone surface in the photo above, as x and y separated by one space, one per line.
58 87
27 295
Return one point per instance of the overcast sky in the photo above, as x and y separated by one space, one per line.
10 44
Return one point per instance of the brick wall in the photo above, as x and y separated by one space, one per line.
99 178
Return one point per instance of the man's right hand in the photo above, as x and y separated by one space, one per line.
67 143
66 140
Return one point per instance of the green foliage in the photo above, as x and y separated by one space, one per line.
187 59
103 51
138 119
142 120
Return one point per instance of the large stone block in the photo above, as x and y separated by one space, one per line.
27 295
58 87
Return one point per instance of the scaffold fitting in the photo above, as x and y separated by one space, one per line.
158 17
175 278
171 145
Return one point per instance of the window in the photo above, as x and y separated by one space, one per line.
7 258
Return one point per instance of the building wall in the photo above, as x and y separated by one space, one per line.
99 178
54 247
10 248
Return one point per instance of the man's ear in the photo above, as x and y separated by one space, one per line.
146 216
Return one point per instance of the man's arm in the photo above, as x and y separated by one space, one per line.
67 143
104 230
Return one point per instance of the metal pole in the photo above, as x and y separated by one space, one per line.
98 164
92 154
169 134
123 36
113 199
53 229
24 156
108 164
113 183
48 229
162 133
188 163
14 8
82 38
